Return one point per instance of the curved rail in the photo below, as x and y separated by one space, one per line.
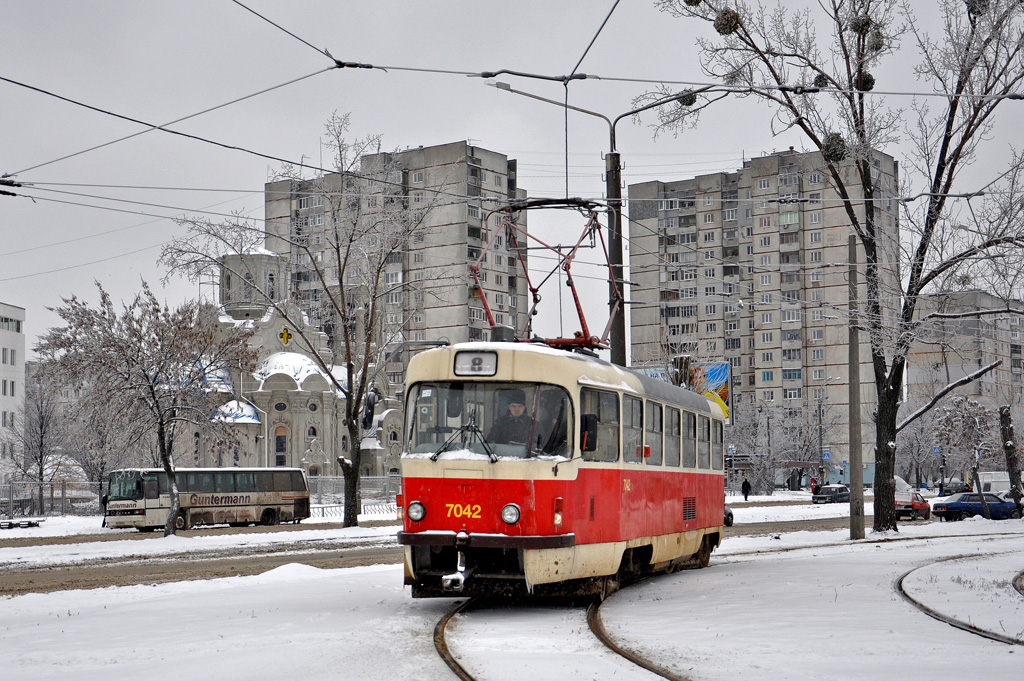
597 628
442 646
952 621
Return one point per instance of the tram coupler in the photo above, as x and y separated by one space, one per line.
456 580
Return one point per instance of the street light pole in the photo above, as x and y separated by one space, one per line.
613 192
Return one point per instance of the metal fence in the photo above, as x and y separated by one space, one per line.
23 499
64 497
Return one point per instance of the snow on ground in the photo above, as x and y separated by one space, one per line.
824 607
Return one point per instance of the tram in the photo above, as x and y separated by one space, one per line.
529 469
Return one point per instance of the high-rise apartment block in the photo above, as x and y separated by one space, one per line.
450 193
751 268
981 328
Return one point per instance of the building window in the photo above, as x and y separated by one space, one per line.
767 337
766 280
417 177
764 183
767 376
818 353
791 374
280 406
768 395
709 309
817 315
815 237
767 357
815 256
791 315
709 218
815 218
792 393
817 334
814 178
765 241
766 221
766 317
709 272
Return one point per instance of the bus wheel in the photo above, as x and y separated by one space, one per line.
181 521
268 518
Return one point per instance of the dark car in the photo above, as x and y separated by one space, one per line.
728 517
967 504
912 505
828 494
955 487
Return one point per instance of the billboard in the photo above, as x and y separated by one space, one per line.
714 381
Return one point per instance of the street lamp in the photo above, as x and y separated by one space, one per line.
613 190
822 397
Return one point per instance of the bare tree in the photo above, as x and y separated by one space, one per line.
821 87
40 433
369 224
167 362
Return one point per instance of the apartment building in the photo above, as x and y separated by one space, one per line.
950 348
12 381
751 268
446 196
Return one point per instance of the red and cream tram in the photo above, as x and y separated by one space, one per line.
529 469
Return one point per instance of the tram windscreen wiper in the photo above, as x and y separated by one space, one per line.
474 432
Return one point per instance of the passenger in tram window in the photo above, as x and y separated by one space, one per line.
514 426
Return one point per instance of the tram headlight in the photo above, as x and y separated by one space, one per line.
416 511
510 514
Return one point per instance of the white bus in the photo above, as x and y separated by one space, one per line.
140 497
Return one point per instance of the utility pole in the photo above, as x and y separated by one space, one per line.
613 189
856 465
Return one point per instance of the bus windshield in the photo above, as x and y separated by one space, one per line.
516 420
125 485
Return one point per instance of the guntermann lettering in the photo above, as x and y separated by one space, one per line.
219 499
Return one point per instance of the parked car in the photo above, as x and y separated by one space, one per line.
912 505
967 504
828 494
728 517
955 487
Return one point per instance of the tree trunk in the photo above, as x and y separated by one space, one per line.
885 458
350 469
1010 450
981 494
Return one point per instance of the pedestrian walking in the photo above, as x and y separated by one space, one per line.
745 488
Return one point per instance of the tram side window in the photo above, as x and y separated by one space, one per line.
704 442
672 438
653 435
717 446
632 429
689 440
605 407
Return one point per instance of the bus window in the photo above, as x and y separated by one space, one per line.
605 407
245 482
152 487
224 481
297 481
632 429
264 481
689 440
652 436
717 443
704 443
672 437
282 481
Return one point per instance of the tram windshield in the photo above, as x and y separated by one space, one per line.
518 420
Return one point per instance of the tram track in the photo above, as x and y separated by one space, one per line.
1018 585
594 623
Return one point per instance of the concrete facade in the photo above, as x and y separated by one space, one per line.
12 381
750 268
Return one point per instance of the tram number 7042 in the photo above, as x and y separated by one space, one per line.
463 510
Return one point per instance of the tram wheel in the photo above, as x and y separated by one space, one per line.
704 554
268 517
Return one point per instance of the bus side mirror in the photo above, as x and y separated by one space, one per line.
588 432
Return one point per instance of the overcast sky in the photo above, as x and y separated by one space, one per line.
161 61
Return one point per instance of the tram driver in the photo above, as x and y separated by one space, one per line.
514 426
